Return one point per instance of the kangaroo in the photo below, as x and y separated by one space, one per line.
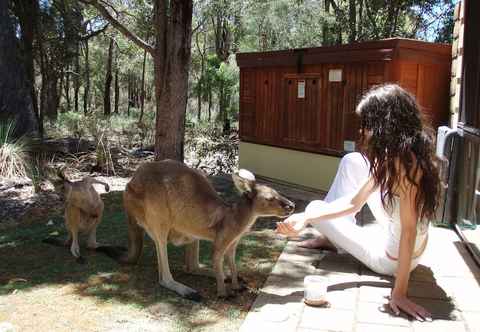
174 203
83 211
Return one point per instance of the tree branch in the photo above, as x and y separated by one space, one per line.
200 25
94 33
119 26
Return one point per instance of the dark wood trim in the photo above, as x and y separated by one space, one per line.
469 126
272 60
384 54
470 90
382 50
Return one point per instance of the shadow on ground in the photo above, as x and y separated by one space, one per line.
27 264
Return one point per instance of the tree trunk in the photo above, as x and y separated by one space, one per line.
108 81
202 73
389 21
171 65
199 99
142 95
41 112
325 28
15 88
27 13
117 91
76 80
352 21
129 92
51 97
222 49
224 110
61 85
209 105
360 21
86 91
67 88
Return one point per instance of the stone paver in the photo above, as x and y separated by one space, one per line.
473 320
327 318
446 282
365 327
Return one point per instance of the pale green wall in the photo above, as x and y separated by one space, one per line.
303 168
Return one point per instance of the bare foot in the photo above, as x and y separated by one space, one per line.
319 242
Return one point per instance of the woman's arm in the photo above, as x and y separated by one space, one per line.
318 210
408 219
343 206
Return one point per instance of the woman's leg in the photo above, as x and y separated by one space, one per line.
352 173
367 244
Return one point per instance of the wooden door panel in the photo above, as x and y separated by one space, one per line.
302 119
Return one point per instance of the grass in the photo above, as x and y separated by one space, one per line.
31 270
13 152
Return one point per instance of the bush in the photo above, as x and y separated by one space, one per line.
72 123
13 152
208 149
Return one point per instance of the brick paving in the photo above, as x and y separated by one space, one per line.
446 282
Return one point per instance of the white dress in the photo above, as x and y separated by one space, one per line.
376 245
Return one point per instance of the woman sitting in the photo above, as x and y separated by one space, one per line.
403 173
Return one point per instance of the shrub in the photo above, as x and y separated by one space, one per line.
13 152
72 123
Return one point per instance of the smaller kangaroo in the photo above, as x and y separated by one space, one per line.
174 203
83 211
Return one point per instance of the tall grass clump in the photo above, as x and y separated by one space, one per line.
13 152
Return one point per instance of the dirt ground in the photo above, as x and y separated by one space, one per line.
42 288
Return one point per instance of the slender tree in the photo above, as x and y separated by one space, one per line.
86 89
142 95
107 107
171 60
117 86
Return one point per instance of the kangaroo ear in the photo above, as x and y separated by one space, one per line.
245 182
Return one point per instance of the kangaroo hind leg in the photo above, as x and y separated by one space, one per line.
165 276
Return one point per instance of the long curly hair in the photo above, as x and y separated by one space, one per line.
396 140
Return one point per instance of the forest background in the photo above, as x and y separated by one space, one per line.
160 75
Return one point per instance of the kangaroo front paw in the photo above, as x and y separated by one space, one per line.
75 250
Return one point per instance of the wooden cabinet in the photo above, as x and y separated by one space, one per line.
305 99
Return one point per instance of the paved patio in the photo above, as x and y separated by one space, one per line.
446 282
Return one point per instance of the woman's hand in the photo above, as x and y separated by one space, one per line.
401 302
292 225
